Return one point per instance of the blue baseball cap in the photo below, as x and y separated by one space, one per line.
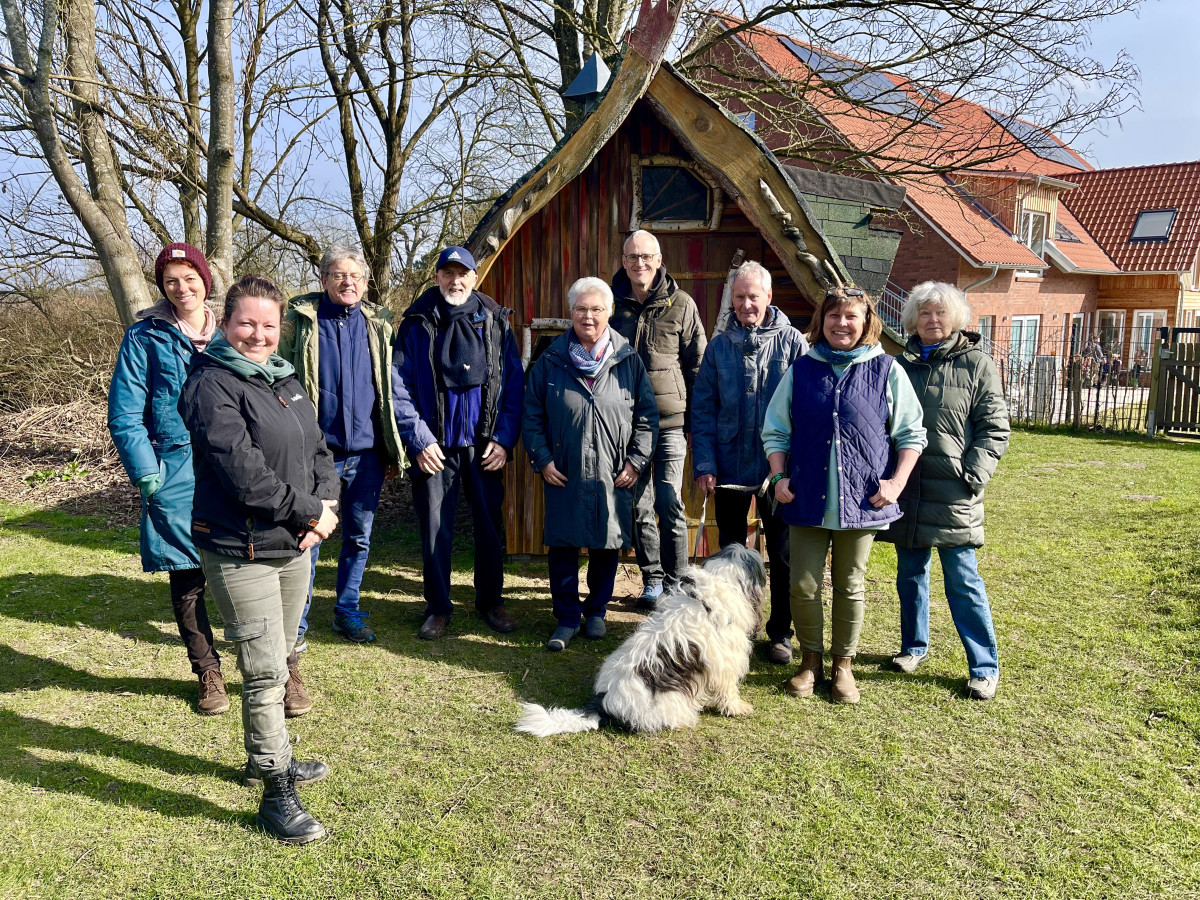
460 255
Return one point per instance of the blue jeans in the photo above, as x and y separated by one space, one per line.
361 475
968 605
662 549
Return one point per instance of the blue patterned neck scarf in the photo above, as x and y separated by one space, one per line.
841 357
588 361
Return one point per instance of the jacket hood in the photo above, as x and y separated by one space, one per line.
423 306
559 353
661 289
959 343
160 310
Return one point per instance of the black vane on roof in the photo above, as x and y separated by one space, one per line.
1040 142
872 89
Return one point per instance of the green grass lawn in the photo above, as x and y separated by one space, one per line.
1079 780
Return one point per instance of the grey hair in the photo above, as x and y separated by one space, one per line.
938 293
335 253
751 269
641 232
590 285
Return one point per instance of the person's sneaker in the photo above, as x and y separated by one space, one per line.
908 662
983 688
358 632
498 619
594 627
301 646
779 651
649 597
561 637
212 700
307 772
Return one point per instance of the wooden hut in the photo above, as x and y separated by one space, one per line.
654 152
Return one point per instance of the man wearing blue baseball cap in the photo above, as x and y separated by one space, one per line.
459 390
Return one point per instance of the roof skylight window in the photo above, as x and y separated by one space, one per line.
1153 225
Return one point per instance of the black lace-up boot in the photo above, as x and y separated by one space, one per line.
281 814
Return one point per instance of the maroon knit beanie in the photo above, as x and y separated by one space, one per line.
183 253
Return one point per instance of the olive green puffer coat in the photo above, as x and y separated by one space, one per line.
966 420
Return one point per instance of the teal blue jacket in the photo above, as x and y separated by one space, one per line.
150 437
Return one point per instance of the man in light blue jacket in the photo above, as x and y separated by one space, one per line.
741 369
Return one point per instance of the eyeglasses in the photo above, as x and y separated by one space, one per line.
594 312
640 257
844 292
346 276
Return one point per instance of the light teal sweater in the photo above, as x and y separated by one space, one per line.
905 416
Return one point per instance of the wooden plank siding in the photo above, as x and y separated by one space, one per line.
580 231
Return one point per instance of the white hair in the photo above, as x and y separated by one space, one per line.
641 232
751 269
935 293
587 286
337 252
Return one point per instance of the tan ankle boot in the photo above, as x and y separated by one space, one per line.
296 701
808 677
843 689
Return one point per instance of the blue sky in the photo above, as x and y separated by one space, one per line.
1164 41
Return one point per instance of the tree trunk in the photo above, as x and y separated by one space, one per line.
101 208
219 233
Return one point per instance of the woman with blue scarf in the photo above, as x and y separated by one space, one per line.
590 423
266 488
842 435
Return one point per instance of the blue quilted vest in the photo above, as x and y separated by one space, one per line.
853 415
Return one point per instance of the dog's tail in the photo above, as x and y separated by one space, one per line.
542 722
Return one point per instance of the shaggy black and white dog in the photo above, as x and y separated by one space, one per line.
689 655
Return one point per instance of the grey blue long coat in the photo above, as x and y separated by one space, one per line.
966 421
589 433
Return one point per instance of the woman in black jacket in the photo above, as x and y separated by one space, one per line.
265 493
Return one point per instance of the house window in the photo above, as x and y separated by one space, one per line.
1024 346
673 194
987 332
1076 336
1033 230
1112 327
1146 323
1153 225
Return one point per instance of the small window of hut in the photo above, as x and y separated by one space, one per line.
674 195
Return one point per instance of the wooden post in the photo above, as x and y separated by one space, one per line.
1161 352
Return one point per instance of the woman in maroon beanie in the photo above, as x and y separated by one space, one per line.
156 449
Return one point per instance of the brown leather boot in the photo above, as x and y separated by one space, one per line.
843 689
810 674
296 701
213 700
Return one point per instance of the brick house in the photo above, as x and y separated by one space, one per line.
1051 252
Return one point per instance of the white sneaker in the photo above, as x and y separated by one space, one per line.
908 662
983 688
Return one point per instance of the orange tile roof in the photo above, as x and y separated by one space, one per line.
1109 201
969 227
1087 254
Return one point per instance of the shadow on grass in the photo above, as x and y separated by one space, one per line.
124 606
21 735
25 672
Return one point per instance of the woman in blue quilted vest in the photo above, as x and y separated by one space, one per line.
156 449
842 435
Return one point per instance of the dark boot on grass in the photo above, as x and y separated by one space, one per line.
843 689
809 675
296 701
282 815
306 773
212 700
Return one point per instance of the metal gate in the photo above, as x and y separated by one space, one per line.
1175 383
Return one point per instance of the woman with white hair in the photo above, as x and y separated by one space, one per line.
966 420
590 424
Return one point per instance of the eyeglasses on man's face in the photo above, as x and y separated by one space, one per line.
339 277
640 257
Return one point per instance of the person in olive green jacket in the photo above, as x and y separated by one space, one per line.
341 347
966 420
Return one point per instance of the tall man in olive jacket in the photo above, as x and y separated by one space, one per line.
341 346
663 325
459 390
